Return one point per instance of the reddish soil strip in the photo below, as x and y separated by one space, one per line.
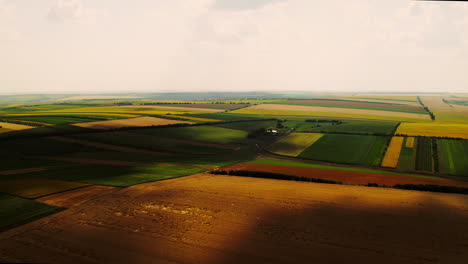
347 177
77 197
357 104
109 146
21 171
225 219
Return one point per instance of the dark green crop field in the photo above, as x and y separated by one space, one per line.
407 157
15 210
350 149
341 126
424 154
54 120
250 126
453 156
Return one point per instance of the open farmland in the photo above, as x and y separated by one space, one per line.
56 120
223 106
351 149
297 110
131 122
424 158
34 188
13 126
344 176
343 126
408 154
15 210
355 104
294 143
392 155
434 130
453 156
252 221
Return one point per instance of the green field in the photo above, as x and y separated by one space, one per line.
453 156
228 116
350 149
55 120
35 188
15 210
294 143
424 154
118 176
343 126
407 157
250 126
41 146
199 133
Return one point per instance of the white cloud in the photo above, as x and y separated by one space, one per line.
8 29
242 4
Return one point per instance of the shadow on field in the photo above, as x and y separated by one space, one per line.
178 222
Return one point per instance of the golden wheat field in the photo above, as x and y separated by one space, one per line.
409 142
434 130
393 152
11 126
293 144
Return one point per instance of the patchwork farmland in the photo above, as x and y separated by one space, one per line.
166 178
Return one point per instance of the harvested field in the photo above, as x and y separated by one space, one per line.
434 130
346 177
294 143
297 110
351 104
392 155
11 126
76 197
198 219
131 122
34 188
444 112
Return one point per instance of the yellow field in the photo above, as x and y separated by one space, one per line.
11 126
434 130
77 114
293 144
393 152
409 142
130 122
129 110
296 110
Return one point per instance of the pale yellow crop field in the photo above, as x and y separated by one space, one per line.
297 110
11 126
130 122
434 130
409 142
393 153
293 144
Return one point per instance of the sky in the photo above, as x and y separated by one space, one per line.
105 46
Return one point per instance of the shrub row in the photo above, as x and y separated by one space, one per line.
271 175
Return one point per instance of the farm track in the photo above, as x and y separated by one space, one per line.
197 219
76 197
110 146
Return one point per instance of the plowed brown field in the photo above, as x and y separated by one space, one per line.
224 219
346 177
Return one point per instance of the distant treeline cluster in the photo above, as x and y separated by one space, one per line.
426 108
280 176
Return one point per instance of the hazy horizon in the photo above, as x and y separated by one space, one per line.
104 46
